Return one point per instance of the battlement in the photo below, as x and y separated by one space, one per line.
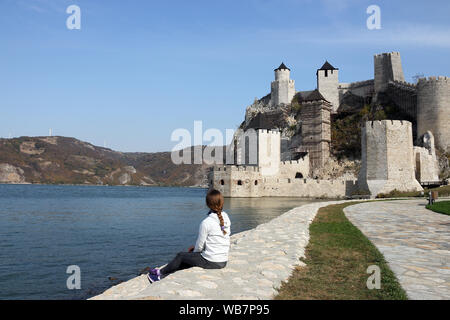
353 85
387 54
379 124
269 131
423 81
403 84
299 161
233 168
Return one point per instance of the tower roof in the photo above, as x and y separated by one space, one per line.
262 121
282 67
315 96
328 66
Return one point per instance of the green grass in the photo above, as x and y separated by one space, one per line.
440 207
443 191
337 257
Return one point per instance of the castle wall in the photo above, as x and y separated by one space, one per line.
361 88
246 182
308 188
327 84
387 67
433 109
387 157
237 181
404 95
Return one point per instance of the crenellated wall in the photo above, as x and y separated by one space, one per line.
246 182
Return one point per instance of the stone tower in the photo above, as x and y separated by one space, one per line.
259 147
433 109
268 151
387 157
387 67
283 88
315 129
327 84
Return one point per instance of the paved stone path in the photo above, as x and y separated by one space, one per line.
260 259
415 242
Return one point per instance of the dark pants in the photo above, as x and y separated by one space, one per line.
185 260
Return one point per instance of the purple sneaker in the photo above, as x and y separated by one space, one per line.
154 275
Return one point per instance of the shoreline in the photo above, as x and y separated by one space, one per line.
260 260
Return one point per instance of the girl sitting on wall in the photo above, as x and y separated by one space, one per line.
212 246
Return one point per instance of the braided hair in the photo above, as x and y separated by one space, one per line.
214 201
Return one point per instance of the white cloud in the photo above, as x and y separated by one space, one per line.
411 35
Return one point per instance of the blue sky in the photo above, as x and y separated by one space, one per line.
137 70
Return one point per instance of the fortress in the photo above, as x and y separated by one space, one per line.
284 162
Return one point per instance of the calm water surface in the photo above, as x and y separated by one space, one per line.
109 232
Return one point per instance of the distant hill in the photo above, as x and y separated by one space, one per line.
62 160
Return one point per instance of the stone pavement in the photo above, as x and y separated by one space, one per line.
260 259
415 242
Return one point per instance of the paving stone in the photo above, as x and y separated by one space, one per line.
415 242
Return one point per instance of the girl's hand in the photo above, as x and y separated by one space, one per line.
191 249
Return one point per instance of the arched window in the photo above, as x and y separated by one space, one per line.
222 182
298 175
256 182
239 182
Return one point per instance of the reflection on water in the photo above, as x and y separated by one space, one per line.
107 231
247 213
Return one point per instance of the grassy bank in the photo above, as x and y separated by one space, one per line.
443 191
337 257
440 207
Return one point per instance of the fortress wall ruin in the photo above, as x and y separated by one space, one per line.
425 165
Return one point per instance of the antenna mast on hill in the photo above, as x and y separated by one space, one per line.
50 132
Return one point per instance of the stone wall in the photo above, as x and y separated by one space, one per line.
387 157
361 88
291 181
404 95
433 109
425 165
